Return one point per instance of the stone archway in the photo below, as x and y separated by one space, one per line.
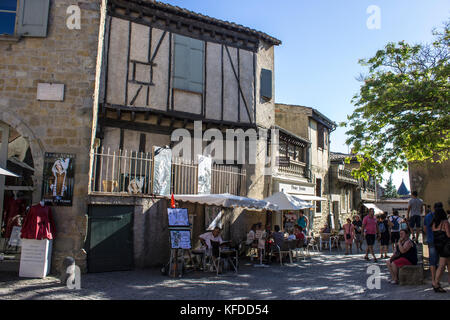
37 149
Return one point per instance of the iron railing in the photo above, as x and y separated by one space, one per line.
130 172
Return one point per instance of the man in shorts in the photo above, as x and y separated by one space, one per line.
370 231
414 214
394 223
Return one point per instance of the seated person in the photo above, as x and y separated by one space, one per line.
207 237
325 229
291 235
278 237
251 235
405 254
299 235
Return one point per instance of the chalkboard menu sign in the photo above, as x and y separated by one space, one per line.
180 239
178 217
179 228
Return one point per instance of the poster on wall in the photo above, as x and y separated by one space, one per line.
162 158
178 217
58 184
180 239
204 174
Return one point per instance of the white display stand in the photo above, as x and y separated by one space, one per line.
35 258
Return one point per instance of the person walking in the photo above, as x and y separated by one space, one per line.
405 254
441 239
384 235
349 235
394 224
357 223
414 215
370 230
433 257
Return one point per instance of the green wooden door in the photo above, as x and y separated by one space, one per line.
110 238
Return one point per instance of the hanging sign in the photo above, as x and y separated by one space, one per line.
162 171
204 174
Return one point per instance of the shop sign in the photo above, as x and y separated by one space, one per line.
295 188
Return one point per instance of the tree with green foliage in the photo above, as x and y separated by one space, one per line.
390 191
402 111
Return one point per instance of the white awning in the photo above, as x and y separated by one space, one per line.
286 201
374 207
5 172
226 200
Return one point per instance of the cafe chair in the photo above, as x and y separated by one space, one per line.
312 245
285 248
300 248
325 239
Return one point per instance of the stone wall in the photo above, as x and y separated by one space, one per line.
68 57
431 181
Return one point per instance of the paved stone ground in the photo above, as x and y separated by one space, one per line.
323 276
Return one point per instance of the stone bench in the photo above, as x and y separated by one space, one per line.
410 275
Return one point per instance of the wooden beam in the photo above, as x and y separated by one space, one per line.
171 22
239 84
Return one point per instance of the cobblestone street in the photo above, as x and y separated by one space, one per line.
324 276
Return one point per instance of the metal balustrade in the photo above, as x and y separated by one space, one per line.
117 172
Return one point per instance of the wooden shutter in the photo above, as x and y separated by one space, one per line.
32 18
188 61
266 84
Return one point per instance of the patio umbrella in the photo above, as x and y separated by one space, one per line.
286 201
5 172
226 200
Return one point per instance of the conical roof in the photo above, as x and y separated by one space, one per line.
403 190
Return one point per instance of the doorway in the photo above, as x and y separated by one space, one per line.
110 238
16 193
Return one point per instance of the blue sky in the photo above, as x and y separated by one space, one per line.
317 62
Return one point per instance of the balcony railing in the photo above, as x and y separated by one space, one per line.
294 168
131 172
346 175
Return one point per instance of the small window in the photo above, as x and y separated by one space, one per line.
320 136
27 18
319 194
8 12
266 84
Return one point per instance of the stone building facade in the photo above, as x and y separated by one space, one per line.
430 180
310 124
347 193
164 68
56 54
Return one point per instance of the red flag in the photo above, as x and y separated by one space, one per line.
172 202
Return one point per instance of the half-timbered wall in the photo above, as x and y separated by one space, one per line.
140 68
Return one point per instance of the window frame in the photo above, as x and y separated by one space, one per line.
15 20
318 194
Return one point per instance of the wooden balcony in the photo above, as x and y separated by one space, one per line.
345 175
294 169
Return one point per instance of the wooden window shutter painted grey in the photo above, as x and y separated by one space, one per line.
32 18
266 84
188 64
